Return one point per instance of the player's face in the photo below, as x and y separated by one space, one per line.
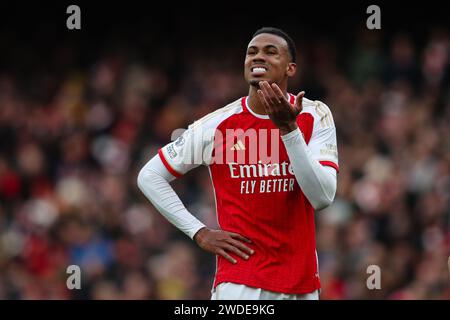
268 59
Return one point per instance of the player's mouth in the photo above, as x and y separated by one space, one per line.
258 71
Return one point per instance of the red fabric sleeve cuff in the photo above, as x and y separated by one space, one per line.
167 165
330 164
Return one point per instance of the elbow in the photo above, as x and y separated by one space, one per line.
143 179
324 201
145 182
326 198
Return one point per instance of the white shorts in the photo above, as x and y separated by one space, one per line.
234 291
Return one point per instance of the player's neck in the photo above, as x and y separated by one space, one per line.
255 104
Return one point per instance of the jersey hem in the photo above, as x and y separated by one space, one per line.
277 289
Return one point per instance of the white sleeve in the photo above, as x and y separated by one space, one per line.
153 180
323 145
318 182
192 149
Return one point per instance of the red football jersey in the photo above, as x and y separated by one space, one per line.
256 192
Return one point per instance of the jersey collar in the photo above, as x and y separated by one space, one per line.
246 107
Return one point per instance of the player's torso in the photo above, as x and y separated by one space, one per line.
255 187
257 195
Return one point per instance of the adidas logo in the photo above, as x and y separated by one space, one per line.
239 146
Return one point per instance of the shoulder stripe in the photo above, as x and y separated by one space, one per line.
326 119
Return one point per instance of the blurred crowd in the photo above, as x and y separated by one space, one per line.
74 137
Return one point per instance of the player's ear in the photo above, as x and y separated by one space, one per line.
291 69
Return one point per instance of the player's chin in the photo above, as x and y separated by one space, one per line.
254 81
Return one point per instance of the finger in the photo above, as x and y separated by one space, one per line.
226 256
285 103
235 250
270 94
276 89
264 102
241 246
299 101
240 237
263 88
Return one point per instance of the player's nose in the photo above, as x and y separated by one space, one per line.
258 60
259 57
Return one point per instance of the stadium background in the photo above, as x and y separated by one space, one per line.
82 111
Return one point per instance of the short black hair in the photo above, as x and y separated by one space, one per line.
282 34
